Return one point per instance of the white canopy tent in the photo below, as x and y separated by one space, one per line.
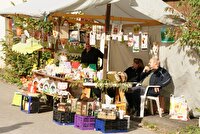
140 9
121 10
126 8
37 8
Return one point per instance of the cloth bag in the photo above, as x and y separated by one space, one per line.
178 108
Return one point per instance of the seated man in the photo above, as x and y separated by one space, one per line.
133 75
151 75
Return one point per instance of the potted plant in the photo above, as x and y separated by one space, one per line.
19 24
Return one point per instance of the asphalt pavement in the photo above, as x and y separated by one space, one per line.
14 121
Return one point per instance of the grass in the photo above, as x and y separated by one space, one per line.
192 129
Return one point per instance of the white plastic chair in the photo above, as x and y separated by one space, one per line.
151 98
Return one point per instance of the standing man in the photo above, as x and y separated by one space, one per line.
90 55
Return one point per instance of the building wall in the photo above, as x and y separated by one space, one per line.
184 66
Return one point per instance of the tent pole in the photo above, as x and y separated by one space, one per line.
107 31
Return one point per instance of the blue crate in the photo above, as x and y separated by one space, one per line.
30 104
111 126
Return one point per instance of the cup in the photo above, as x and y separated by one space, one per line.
121 114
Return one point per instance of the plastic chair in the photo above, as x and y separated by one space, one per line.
151 98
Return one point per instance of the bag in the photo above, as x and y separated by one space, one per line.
178 108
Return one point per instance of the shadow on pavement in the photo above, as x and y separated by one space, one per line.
135 123
13 127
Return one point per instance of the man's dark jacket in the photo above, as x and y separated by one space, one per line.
159 77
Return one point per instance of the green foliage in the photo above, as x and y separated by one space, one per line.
190 130
33 24
150 126
188 32
107 84
17 64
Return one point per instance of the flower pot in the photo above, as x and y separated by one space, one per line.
75 64
18 31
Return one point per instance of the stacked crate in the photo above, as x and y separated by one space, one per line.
63 118
30 104
111 126
62 112
84 122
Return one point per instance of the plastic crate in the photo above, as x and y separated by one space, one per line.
111 126
63 118
30 104
84 122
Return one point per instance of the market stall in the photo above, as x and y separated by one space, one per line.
56 80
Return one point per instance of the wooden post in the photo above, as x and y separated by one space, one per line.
39 57
107 30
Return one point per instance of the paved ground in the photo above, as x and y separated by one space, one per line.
13 121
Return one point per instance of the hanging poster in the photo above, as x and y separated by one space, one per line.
74 36
92 38
125 37
102 46
64 32
82 36
130 39
108 37
55 32
116 29
114 37
144 41
102 42
99 32
119 37
136 43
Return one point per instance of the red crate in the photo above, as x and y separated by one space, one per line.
84 122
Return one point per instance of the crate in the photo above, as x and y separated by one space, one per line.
111 126
84 122
30 104
63 118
